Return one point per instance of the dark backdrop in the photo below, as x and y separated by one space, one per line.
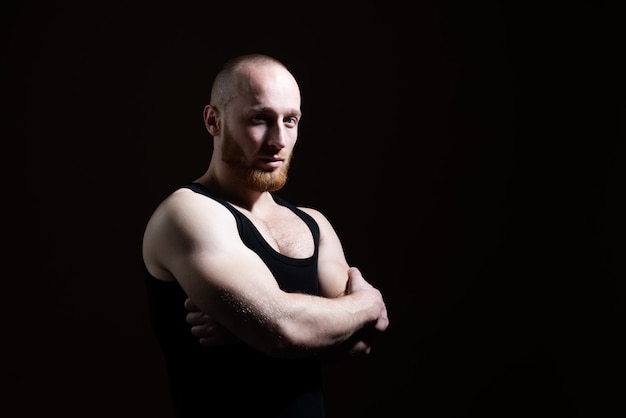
467 153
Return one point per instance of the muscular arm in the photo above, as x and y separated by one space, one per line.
332 265
191 240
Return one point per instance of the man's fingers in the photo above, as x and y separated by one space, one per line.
197 318
190 306
216 336
203 330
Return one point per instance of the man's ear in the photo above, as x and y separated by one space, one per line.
211 119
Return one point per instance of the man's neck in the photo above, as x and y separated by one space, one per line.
235 192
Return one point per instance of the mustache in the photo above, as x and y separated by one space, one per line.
272 152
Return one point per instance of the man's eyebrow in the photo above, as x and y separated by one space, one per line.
295 112
265 109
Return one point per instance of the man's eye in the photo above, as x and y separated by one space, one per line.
259 119
291 120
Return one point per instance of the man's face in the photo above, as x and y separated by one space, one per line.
260 127
256 178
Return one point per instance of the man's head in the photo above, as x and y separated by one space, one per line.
253 117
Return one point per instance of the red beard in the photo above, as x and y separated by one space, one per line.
259 180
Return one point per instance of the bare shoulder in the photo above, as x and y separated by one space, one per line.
316 214
185 222
186 208
188 216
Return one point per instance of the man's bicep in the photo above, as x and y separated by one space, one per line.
201 248
221 276
235 289
333 279
332 264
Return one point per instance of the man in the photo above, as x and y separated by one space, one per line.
264 283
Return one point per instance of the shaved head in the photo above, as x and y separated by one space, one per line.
228 81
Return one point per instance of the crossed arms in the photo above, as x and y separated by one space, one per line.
233 295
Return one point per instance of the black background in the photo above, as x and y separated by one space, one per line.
468 153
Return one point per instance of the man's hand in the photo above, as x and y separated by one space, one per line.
357 283
208 332
360 344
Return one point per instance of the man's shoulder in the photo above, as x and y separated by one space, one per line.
184 203
315 213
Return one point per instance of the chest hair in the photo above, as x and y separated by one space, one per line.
285 232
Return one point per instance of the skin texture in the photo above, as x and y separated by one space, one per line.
253 119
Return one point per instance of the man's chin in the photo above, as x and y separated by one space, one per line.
267 181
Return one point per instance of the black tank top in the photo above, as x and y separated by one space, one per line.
236 380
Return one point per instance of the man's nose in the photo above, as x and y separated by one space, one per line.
277 136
